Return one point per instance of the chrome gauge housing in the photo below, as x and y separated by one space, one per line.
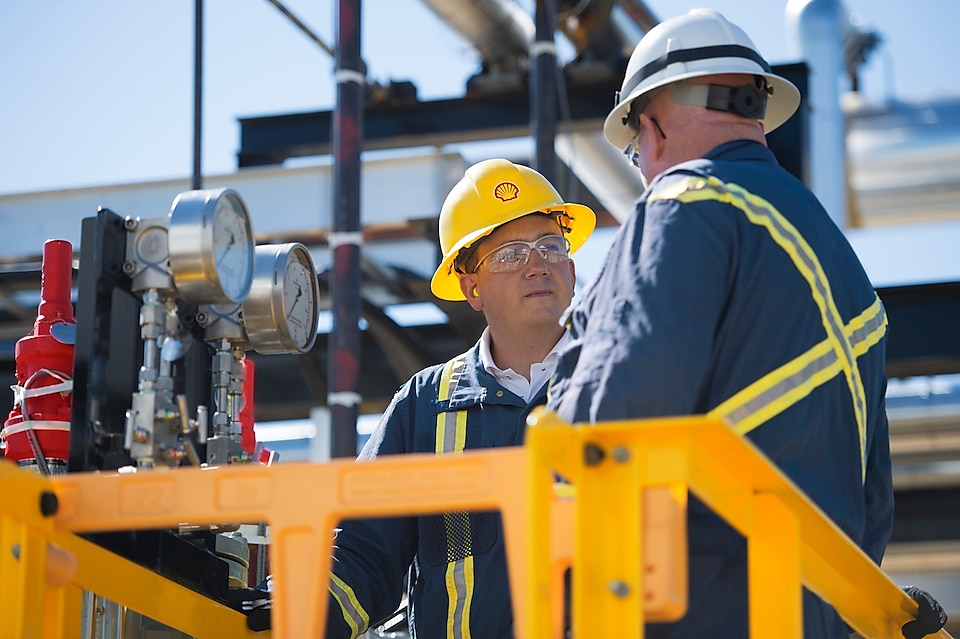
280 315
211 246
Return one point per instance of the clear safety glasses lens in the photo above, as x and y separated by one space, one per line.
513 256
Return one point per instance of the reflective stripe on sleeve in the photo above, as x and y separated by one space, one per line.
780 389
353 613
868 328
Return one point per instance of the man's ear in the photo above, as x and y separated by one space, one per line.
658 141
468 286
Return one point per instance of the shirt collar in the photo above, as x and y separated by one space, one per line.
486 354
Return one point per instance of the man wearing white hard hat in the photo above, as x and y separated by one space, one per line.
730 292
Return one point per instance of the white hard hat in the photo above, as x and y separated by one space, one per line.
699 43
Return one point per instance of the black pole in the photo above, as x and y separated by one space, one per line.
197 181
343 365
543 93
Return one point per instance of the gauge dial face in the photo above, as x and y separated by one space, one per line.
281 313
299 299
232 248
211 246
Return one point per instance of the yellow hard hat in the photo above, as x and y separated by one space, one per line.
492 193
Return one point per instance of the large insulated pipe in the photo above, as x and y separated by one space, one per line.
815 35
604 170
499 30
640 14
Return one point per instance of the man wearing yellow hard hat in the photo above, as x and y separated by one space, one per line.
506 236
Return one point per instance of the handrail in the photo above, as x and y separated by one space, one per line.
790 540
630 480
301 502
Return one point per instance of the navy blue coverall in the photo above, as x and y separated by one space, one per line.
731 292
457 563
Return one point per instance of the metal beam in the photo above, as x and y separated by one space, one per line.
398 122
922 338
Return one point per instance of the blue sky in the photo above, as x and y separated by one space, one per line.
101 91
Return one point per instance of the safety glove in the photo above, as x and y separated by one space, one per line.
930 615
255 603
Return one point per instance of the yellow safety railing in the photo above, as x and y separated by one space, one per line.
790 541
630 481
301 502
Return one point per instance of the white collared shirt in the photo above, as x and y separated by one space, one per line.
510 379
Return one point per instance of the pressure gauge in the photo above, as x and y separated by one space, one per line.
211 246
281 313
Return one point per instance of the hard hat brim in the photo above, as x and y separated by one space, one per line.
445 283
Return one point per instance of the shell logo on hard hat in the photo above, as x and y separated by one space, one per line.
506 191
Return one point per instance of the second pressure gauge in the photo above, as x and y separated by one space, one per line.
281 313
211 246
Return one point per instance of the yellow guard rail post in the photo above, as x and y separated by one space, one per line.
790 541
36 596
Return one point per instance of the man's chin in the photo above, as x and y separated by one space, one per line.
548 314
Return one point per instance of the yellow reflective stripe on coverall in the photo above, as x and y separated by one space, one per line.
451 438
778 390
783 387
353 613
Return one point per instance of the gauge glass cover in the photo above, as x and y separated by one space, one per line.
231 248
299 303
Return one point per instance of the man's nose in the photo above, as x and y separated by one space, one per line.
536 260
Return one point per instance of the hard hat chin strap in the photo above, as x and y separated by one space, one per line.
748 101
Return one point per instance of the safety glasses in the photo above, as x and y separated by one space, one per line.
631 149
513 256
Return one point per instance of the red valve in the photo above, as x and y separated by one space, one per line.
248 437
38 427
